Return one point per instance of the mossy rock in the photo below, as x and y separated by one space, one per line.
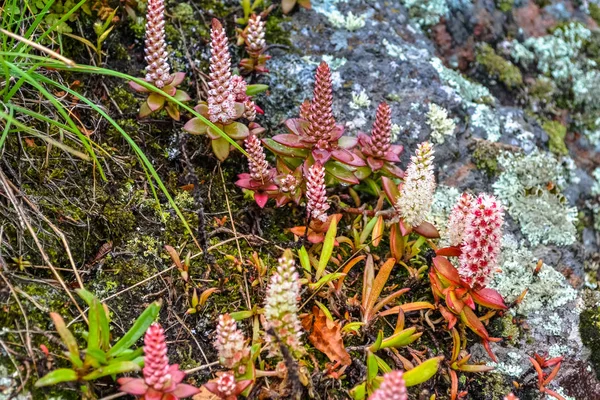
505 71
556 137
485 158
589 329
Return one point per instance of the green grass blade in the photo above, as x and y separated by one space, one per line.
8 120
147 164
31 79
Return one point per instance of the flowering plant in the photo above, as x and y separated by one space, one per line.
476 228
227 99
158 70
161 381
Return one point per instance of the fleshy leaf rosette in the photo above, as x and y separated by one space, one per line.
318 136
225 386
222 107
161 381
380 153
157 69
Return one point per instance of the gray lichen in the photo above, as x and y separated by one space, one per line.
543 213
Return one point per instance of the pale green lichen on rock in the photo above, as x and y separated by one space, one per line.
547 291
426 12
469 91
487 120
543 213
441 125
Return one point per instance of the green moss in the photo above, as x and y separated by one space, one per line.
490 386
595 12
556 137
125 99
485 157
589 328
498 67
541 90
505 5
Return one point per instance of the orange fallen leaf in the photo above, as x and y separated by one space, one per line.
204 394
326 336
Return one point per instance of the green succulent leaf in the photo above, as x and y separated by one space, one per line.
112 369
422 372
253 90
68 339
137 330
57 376
327 249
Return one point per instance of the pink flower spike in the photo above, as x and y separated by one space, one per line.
221 99
157 70
393 387
481 241
161 380
456 224
315 192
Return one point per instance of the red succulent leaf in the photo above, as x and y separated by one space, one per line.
539 371
296 125
178 77
347 157
183 390
134 386
469 318
446 271
170 90
321 156
393 170
137 87
448 316
489 298
261 199
427 230
374 163
290 140
405 230
469 301
391 189
455 304
452 251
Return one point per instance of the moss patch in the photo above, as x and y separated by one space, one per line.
589 328
498 67
556 137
